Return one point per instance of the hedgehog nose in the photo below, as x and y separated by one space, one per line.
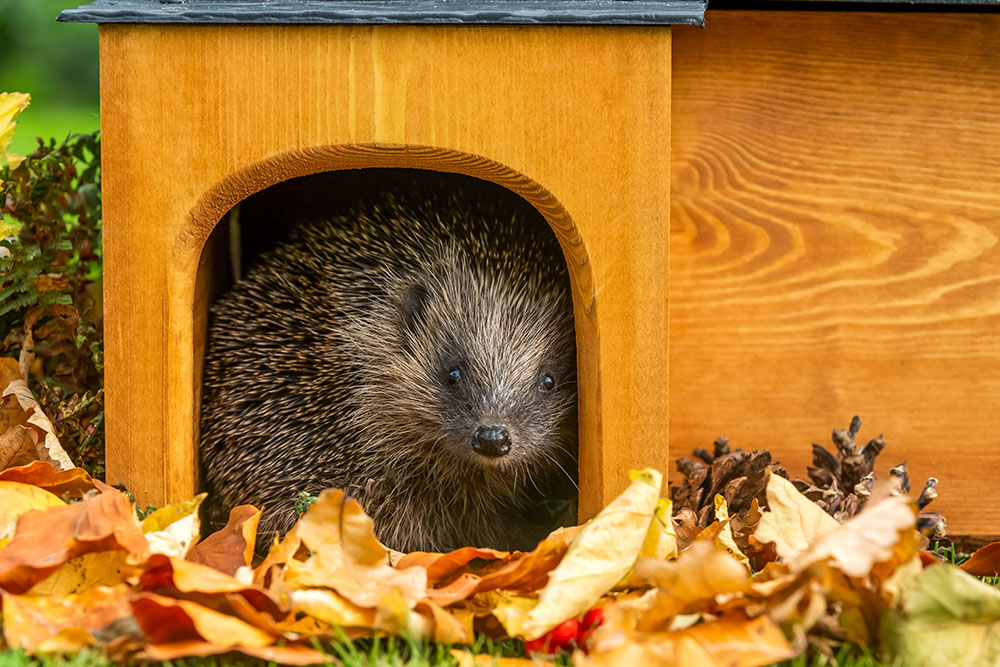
491 441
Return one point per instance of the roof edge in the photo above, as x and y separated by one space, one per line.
481 12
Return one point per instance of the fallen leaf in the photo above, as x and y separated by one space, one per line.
443 568
164 572
17 498
49 448
62 623
346 557
45 539
232 547
597 559
331 608
167 620
793 522
729 641
985 562
67 484
725 540
945 618
18 446
173 529
691 583
869 538
524 572
81 573
661 540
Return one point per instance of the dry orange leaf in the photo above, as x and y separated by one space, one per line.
167 620
729 641
163 572
45 539
70 484
443 568
985 562
231 547
528 572
62 623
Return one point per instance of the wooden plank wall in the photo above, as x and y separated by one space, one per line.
835 217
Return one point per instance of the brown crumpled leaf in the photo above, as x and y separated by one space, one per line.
46 539
231 547
12 446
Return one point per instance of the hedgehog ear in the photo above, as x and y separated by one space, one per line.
414 304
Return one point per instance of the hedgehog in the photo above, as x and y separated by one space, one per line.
418 352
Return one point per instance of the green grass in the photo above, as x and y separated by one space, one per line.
394 652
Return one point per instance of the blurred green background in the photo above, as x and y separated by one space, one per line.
56 63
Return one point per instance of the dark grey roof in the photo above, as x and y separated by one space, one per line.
610 12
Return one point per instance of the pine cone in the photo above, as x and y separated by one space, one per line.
840 484
736 475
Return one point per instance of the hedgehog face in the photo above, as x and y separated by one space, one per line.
496 360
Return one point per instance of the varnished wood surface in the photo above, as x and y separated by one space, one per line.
197 118
834 241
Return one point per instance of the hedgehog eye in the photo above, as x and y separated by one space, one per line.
547 383
454 375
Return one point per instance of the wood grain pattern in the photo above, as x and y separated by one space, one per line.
196 118
835 221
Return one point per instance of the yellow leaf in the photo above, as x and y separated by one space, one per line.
99 568
11 104
661 540
17 498
600 556
346 557
172 530
725 540
333 609
793 522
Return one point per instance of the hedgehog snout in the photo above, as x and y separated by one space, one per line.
491 441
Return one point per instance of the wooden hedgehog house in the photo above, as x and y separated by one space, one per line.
204 104
813 187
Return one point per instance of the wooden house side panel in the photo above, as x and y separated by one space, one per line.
835 241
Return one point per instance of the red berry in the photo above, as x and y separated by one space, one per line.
555 639
592 619
564 633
